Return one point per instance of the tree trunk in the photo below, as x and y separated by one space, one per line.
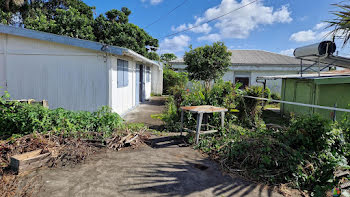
207 85
7 5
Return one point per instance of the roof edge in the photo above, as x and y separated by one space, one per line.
86 44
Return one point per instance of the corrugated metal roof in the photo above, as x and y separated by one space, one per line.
259 57
96 46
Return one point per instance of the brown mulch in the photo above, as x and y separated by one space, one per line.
65 151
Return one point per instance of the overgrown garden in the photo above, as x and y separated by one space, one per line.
303 153
68 137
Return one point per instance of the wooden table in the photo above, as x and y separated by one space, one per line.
200 111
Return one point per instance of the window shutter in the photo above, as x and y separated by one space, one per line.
120 76
126 73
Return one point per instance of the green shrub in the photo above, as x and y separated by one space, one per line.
275 96
171 115
172 78
222 94
21 118
249 112
305 155
345 126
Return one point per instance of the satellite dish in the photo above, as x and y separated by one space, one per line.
324 48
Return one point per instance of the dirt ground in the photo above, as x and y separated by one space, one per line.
165 167
142 113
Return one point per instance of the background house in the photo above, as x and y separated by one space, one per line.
74 74
247 65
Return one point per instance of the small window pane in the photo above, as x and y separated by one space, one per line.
120 75
126 73
148 74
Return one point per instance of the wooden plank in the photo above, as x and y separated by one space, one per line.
35 164
189 130
208 125
29 161
201 132
208 132
203 109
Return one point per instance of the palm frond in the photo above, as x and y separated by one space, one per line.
340 24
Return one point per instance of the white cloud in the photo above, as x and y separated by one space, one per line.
241 23
175 44
320 26
210 37
153 2
304 36
204 28
288 52
179 28
311 35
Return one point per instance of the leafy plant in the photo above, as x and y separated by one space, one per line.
22 118
304 156
249 112
207 63
172 79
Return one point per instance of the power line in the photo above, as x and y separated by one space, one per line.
160 18
208 21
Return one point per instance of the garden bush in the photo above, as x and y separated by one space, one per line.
345 125
275 96
172 79
222 94
249 112
304 156
22 118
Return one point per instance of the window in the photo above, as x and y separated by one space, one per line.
243 80
148 74
123 70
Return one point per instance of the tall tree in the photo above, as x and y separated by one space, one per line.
76 19
167 57
208 63
113 28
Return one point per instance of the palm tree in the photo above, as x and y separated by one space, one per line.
341 23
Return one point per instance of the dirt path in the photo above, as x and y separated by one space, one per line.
164 168
142 114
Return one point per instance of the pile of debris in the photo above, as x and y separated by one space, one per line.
37 150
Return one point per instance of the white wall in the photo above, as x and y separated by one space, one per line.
148 87
157 80
66 76
253 72
2 62
123 98
274 85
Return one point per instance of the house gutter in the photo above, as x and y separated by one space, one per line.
141 58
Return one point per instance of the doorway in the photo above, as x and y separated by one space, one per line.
140 84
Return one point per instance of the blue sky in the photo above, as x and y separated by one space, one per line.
272 25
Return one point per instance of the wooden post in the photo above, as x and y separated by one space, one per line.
182 121
199 124
222 119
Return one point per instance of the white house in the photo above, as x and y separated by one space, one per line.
247 65
74 74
